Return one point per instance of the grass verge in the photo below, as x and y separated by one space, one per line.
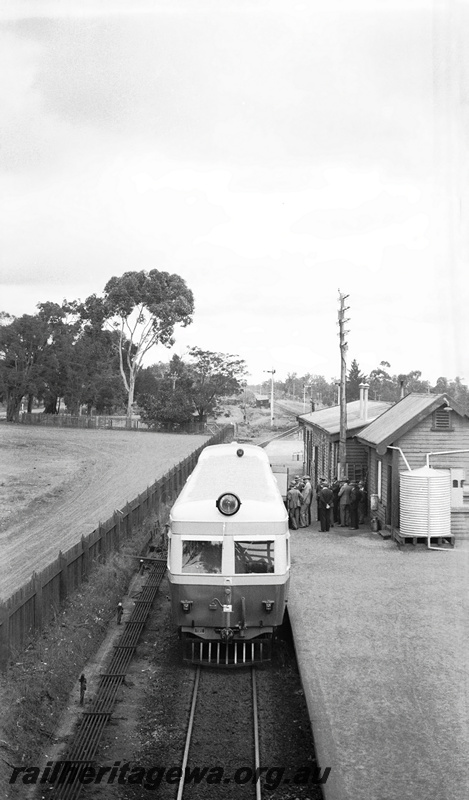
39 679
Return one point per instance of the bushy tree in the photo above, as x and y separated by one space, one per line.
149 378
93 376
169 405
213 375
193 387
412 382
455 388
25 353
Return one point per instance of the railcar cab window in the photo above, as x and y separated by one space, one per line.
201 557
254 557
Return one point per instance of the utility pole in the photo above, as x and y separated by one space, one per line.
342 389
272 373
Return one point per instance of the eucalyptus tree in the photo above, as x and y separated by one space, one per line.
143 307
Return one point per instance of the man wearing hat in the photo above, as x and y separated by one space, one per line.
321 483
294 500
325 505
305 510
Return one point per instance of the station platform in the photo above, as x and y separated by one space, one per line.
382 641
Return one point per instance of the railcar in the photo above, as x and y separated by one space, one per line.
229 557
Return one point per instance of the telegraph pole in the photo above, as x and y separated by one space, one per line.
342 390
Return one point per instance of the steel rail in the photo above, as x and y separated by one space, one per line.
185 757
189 734
82 751
257 762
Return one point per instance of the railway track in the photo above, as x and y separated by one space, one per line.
81 753
229 742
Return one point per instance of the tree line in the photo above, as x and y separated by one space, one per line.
382 386
90 354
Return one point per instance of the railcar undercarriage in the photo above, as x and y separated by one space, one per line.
227 652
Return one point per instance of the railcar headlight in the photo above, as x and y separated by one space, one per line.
228 504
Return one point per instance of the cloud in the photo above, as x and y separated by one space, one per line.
283 86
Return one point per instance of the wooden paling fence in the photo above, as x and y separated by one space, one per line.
34 605
108 423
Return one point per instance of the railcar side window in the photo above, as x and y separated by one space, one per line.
201 557
254 557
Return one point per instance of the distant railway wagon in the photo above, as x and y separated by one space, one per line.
228 557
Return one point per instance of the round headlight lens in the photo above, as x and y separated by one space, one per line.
228 504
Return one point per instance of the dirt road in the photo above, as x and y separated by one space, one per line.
58 484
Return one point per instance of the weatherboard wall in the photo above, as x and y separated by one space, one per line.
415 444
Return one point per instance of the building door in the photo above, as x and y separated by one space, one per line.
457 487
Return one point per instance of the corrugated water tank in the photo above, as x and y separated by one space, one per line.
425 502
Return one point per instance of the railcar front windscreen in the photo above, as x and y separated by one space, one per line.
254 557
201 557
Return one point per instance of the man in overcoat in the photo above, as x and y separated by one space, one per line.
325 506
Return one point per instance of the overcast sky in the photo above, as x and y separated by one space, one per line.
270 153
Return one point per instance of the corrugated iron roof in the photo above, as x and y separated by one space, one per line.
393 423
329 418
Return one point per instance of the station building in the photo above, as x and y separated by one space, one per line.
321 431
419 430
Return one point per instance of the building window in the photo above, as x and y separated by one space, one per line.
356 472
442 420
379 479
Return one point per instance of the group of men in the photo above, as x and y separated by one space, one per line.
340 502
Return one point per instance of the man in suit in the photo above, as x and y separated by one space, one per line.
335 503
344 504
294 500
321 483
325 504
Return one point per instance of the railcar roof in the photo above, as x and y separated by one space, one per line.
221 470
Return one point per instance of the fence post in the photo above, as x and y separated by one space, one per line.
4 636
63 578
140 514
102 542
38 611
130 519
85 559
116 517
